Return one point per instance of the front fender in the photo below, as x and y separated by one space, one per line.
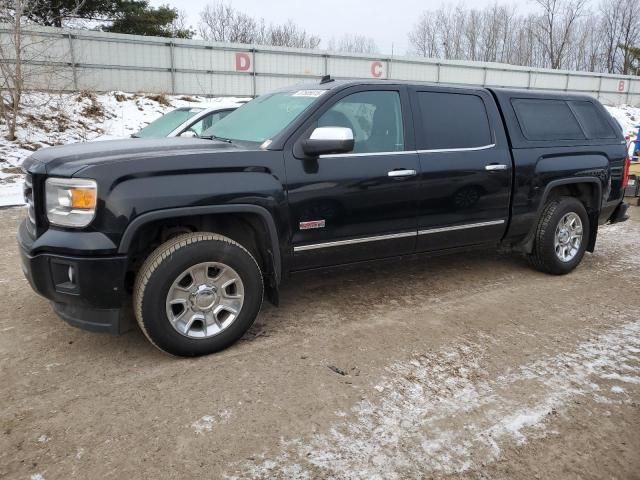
264 214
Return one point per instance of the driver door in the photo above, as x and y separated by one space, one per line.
359 205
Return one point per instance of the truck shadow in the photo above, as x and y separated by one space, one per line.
350 292
331 298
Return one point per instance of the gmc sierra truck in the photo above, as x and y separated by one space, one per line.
188 234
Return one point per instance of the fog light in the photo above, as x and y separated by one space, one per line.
65 276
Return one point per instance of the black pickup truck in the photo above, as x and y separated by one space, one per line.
187 234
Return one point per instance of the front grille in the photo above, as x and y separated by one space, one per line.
28 199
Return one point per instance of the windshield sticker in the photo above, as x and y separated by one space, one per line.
308 93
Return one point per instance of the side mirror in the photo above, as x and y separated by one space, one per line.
188 134
327 140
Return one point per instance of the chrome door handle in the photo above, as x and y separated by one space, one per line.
495 166
402 173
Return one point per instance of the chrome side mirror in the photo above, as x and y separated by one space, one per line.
328 140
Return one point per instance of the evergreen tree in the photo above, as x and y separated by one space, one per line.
137 17
53 13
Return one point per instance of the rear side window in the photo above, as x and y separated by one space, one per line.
547 120
452 120
592 121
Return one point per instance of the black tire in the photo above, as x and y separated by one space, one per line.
543 256
169 261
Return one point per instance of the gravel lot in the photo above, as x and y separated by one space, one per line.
471 366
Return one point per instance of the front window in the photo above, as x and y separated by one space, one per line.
264 117
167 123
374 117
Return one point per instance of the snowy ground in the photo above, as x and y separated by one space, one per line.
49 120
69 118
467 367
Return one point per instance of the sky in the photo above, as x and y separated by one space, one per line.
332 18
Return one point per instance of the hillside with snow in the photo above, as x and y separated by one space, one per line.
48 120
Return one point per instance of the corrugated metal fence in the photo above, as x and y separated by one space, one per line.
82 59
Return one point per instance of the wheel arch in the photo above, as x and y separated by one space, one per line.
586 189
270 249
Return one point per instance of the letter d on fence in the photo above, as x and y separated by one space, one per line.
243 62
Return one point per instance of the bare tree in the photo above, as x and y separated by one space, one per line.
611 13
353 44
27 59
557 26
629 35
290 35
562 34
221 22
180 24
11 50
423 37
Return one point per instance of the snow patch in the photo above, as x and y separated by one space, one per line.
207 422
628 117
617 247
444 412
11 193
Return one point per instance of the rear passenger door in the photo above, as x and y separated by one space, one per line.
465 168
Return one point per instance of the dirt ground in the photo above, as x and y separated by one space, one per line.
466 367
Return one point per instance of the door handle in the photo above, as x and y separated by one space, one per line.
494 167
401 173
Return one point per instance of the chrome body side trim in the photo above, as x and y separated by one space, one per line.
460 227
339 243
377 238
407 152
469 149
368 154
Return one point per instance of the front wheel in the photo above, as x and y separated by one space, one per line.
197 294
561 237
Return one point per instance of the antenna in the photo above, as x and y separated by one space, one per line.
326 79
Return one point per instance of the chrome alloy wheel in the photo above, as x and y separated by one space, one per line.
205 299
568 237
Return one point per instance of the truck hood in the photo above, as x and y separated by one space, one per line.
69 159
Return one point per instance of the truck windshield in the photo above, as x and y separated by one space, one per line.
264 117
167 123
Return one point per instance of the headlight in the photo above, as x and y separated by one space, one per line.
71 202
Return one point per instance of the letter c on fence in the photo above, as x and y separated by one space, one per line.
243 62
621 86
376 69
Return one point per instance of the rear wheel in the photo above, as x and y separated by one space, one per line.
197 294
561 237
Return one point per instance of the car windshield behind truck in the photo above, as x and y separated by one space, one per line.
263 117
167 123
